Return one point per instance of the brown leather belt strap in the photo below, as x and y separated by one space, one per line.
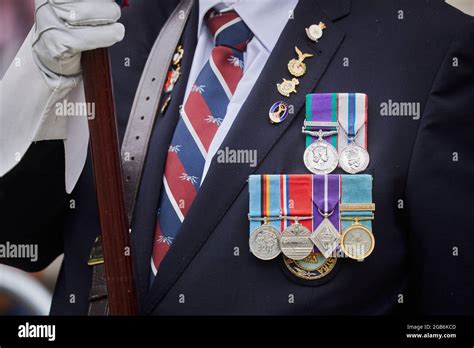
137 136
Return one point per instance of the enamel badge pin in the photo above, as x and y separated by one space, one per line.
315 31
288 86
297 67
278 112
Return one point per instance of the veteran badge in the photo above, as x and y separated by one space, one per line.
178 55
297 67
312 267
172 77
288 86
278 112
315 31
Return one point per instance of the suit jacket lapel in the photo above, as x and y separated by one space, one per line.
252 130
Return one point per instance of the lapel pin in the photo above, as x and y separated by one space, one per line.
178 55
288 86
315 31
278 112
297 67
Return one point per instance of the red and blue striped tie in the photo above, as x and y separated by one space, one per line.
203 112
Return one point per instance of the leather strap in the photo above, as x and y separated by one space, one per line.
147 99
137 136
98 304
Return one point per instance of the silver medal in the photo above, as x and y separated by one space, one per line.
354 158
295 242
326 237
264 242
320 157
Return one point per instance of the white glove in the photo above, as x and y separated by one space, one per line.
65 28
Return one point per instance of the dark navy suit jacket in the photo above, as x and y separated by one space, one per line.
423 260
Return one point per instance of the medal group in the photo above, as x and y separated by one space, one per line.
314 219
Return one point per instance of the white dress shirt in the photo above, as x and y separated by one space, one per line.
266 19
33 119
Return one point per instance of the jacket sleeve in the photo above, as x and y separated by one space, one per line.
440 188
29 104
32 206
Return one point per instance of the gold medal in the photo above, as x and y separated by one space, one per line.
314 266
297 67
288 86
357 240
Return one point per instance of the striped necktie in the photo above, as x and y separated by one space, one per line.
202 114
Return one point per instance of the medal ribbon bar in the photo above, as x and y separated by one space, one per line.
326 190
297 198
348 110
321 109
264 201
356 189
352 117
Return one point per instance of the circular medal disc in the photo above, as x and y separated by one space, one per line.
357 242
295 242
354 159
314 266
264 242
320 157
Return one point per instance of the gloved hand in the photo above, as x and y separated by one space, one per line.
65 28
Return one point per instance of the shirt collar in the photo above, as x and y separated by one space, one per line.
276 15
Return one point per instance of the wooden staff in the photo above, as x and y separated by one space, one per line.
109 184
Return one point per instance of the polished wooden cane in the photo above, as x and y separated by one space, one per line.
109 184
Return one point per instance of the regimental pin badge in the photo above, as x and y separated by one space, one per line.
172 77
278 112
315 31
297 67
178 55
288 86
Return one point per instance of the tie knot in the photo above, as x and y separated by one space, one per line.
228 29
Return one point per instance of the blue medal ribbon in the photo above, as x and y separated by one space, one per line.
356 189
264 200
